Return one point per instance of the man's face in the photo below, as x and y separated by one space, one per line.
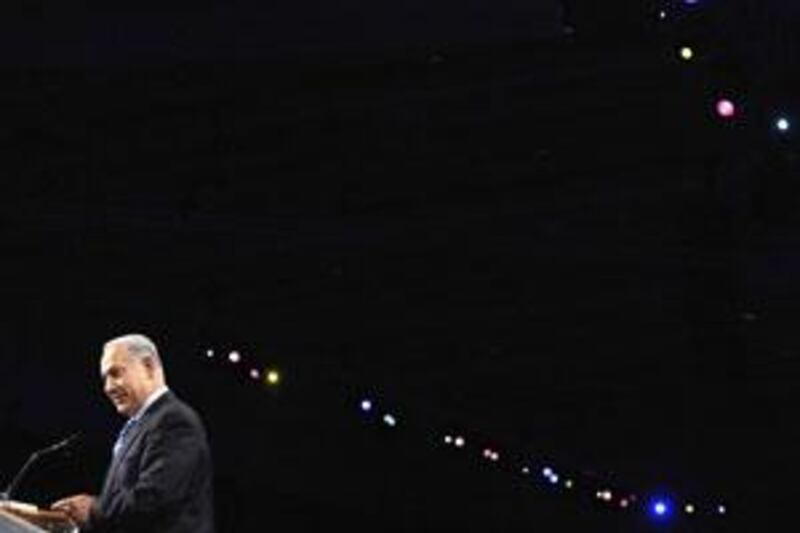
127 380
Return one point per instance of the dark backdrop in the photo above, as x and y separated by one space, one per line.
541 237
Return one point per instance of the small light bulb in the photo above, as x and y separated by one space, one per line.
273 377
726 108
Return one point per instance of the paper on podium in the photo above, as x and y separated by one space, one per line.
21 517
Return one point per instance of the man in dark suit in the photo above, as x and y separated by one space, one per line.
160 477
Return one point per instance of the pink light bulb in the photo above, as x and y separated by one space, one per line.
726 108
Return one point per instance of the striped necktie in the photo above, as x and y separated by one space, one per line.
123 433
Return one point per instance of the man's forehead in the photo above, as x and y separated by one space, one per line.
113 356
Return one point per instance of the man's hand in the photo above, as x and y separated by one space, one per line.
76 507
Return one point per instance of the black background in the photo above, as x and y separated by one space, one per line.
541 237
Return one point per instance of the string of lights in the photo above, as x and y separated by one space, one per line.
700 46
540 473
728 104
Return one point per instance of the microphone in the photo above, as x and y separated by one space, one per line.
69 442
64 444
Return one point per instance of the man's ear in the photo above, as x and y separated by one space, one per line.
149 364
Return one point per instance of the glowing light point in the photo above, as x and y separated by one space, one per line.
726 108
687 53
366 406
210 353
448 439
273 377
389 420
624 503
526 470
234 357
569 483
783 124
255 374
459 442
547 471
604 495
660 509
494 457
689 508
721 509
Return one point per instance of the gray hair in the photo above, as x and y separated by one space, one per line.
137 345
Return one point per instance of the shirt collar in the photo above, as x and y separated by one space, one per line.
155 395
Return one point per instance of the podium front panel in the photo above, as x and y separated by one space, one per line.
12 524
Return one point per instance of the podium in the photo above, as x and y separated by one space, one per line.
17 517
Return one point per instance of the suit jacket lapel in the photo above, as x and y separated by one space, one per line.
133 436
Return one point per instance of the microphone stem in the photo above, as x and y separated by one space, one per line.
12 486
64 444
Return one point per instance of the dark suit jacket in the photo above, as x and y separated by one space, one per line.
161 480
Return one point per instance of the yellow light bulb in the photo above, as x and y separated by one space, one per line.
273 377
